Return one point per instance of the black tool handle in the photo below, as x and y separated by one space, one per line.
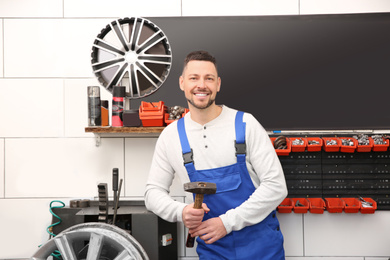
190 241
115 179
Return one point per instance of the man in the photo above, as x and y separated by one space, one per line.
231 149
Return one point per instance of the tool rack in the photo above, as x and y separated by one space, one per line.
324 174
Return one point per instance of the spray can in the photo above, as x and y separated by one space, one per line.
119 93
94 110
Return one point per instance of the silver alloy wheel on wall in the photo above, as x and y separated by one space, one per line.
132 52
93 241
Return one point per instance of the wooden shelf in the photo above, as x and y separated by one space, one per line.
109 131
123 130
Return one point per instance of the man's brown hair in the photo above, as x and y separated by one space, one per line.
200 55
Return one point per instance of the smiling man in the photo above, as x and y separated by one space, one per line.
226 147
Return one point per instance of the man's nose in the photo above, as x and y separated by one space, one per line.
201 83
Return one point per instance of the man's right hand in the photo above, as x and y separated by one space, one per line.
192 218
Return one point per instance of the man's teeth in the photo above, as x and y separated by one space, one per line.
201 94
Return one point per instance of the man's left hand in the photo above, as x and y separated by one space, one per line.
210 230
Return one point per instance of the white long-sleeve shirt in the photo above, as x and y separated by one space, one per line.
213 147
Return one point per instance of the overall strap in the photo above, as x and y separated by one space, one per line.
185 146
240 137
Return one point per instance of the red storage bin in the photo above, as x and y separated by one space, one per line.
317 205
298 147
331 148
314 147
348 148
365 148
304 205
286 206
334 205
368 210
381 147
283 152
351 205
152 113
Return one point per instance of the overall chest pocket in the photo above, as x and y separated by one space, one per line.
226 178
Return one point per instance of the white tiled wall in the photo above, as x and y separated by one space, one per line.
1 48
345 6
45 154
25 112
2 168
28 8
121 8
244 7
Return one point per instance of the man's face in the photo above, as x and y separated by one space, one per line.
200 83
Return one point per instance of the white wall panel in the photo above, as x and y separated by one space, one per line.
2 168
50 47
291 226
1 49
345 6
76 105
121 8
344 234
31 8
23 224
71 167
237 8
31 107
138 157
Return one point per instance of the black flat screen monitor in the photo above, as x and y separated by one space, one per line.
298 72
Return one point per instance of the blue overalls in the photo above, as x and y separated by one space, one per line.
234 186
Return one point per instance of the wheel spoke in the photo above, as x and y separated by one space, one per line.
123 256
134 86
136 32
65 247
150 42
116 26
119 74
105 46
100 66
95 246
157 59
153 78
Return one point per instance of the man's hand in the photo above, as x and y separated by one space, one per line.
193 217
210 230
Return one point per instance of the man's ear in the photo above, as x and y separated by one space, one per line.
219 84
181 79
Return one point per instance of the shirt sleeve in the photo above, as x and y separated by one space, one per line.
267 174
161 175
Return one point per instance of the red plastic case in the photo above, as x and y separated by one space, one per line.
301 209
286 206
331 148
317 205
348 148
370 210
283 152
152 113
365 148
381 147
334 205
298 148
351 205
314 147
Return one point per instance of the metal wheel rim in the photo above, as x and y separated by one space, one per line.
101 241
132 52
